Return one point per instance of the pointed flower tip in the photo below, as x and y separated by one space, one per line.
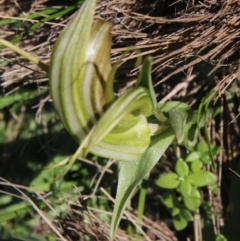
80 64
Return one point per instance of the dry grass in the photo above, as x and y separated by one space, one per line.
81 221
207 31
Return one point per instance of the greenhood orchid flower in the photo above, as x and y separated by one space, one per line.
81 83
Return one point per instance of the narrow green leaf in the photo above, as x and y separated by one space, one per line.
58 14
35 15
201 178
141 203
19 97
132 173
173 106
191 131
14 211
209 146
25 54
145 79
178 122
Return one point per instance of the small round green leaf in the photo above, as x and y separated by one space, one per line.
175 211
205 158
193 200
202 147
179 222
185 188
193 156
168 181
169 200
201 178
220 237
182 168
196 166
187 214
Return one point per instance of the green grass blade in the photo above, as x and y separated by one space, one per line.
58 14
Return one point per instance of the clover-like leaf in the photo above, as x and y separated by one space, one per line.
201 178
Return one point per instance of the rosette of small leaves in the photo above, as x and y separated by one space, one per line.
186 182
